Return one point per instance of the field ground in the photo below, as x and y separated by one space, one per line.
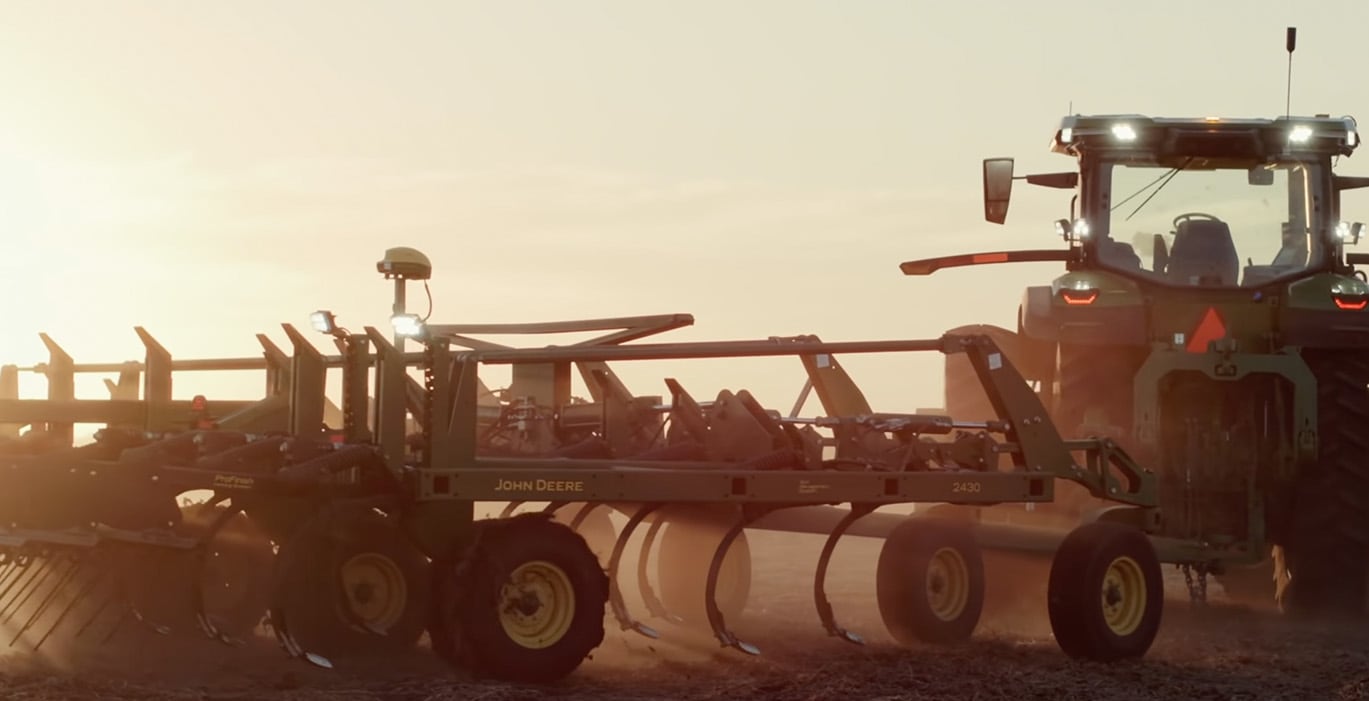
1221 652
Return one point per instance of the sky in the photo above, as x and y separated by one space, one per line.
212 170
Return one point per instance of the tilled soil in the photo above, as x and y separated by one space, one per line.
1215 652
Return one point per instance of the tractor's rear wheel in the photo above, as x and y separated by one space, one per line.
524 602
349 581
1327 553
1106 593
929 582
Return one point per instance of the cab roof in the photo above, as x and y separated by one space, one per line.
1212 137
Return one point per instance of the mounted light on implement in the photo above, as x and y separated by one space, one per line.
407 325
323 321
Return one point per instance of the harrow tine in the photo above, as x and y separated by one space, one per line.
715 614
22 596
24 570
104 604
653 603
52 595
81 595
11 569
118 624
829 620
615 593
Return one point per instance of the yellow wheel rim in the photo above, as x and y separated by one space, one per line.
537 605
376 591
1124 596
948 584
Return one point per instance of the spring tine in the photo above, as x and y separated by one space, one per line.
52 594
81 595
615 593
715 615
825 613
11 569
653 603
44 570
25 569
582 514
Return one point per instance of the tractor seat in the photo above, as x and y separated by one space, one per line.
1204 254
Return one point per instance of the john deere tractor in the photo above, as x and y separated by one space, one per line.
1211 321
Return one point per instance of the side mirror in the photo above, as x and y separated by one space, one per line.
997 188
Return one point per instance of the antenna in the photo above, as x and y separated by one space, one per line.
1291 41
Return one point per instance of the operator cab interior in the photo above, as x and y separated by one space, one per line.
1207 222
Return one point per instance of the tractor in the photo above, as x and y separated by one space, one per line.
1211 321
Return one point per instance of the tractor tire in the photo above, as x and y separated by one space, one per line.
1327 553
1096 390
524 602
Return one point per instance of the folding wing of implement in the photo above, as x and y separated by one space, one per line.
352 531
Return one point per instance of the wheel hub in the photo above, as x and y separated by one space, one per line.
948 584
1123 596
537 605
375 589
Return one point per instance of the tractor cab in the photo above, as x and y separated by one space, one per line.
1200 202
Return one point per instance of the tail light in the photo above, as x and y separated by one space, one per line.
1078 297
1350 302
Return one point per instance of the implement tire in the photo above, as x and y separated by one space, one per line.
929 582
1327 553
1106 593
523 603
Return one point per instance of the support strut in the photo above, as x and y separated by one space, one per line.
615 593
829 620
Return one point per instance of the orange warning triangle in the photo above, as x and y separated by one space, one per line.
1209 329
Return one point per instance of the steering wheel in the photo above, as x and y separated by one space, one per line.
1187 216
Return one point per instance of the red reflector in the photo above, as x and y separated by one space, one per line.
1078 297
1210 329
990 258
1350 302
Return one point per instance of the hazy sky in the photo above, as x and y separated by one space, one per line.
210 170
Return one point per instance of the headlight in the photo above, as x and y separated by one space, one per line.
409 325
1123 132
323 321
1301 134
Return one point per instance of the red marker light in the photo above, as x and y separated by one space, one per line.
1350 302
1078 298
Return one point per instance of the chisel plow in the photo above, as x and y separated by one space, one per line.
352 531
